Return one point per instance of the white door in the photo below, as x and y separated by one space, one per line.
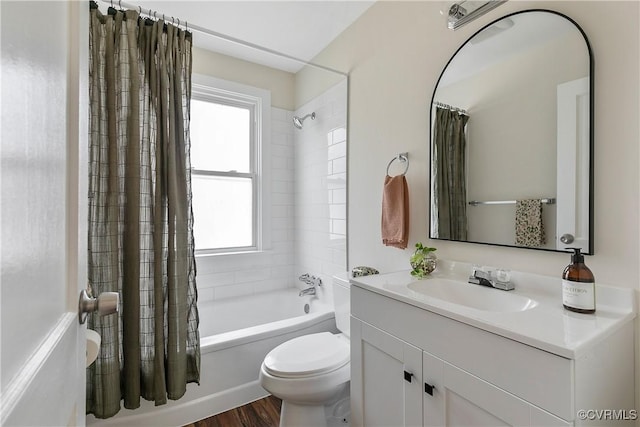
572 201
44 49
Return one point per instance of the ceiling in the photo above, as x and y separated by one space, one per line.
296 28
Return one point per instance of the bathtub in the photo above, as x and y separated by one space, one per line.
235 336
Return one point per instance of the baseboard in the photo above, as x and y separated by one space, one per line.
176 413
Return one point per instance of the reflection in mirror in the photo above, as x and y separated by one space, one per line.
511 138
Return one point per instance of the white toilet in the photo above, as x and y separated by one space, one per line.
311 373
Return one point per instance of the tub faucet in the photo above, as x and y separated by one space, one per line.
308 291
313 281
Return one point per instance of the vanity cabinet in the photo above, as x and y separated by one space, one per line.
398 384
413 367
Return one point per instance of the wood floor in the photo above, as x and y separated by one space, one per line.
261 413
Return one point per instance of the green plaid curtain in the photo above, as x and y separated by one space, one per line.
140 218
450 179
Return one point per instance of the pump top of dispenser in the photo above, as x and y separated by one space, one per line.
576 257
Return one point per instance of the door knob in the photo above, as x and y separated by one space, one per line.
106 303
566 238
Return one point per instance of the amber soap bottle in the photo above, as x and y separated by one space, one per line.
578 285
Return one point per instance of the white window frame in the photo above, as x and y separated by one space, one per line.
212 89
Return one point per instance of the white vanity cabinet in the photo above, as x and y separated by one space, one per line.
413 367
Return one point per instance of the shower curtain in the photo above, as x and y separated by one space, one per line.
140 219
450 181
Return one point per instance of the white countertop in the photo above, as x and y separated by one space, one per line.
547 326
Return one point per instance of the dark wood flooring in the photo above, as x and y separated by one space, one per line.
261 413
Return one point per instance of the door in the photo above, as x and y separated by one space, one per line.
386 375
572 204
44 49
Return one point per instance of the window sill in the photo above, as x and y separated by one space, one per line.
230 254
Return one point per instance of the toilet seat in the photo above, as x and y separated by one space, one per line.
307 355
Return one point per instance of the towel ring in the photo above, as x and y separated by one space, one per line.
402 157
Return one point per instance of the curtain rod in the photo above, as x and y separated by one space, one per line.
449 107
154 14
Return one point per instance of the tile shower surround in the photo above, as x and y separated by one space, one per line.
308 207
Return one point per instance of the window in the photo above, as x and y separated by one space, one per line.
227 175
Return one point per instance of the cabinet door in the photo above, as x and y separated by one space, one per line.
460 399
386 374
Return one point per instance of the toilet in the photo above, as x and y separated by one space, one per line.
311 373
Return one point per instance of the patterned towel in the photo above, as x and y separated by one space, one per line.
529 227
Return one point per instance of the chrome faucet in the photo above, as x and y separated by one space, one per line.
310 280
480 277
484 278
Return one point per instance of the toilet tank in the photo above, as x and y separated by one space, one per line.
342 302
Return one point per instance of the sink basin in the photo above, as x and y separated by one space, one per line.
472 296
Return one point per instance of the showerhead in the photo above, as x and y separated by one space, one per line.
297 121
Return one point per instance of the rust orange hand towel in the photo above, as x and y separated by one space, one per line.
395 212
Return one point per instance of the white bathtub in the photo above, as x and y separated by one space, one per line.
235 335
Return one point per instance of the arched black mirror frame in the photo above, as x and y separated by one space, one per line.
590 250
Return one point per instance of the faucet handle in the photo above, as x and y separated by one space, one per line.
304 278
503 275
479 273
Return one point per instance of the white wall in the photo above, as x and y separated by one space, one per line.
280 83
395 53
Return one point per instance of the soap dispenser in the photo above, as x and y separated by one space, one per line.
578 285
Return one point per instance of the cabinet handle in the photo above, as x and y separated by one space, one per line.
428 388
407 376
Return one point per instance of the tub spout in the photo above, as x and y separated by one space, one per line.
308 291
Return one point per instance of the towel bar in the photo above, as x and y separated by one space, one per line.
549 201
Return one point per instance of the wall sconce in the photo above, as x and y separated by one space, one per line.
466 11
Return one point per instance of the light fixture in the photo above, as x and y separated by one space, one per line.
466 11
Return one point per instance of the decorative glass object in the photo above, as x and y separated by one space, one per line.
423 261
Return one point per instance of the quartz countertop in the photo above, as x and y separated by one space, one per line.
547 325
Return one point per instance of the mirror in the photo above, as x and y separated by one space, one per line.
512 136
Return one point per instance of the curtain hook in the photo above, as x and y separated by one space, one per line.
120 4
139 10
178 22
155 14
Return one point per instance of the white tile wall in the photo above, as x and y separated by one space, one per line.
320 186
308 207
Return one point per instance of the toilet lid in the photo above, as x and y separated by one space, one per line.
307 355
